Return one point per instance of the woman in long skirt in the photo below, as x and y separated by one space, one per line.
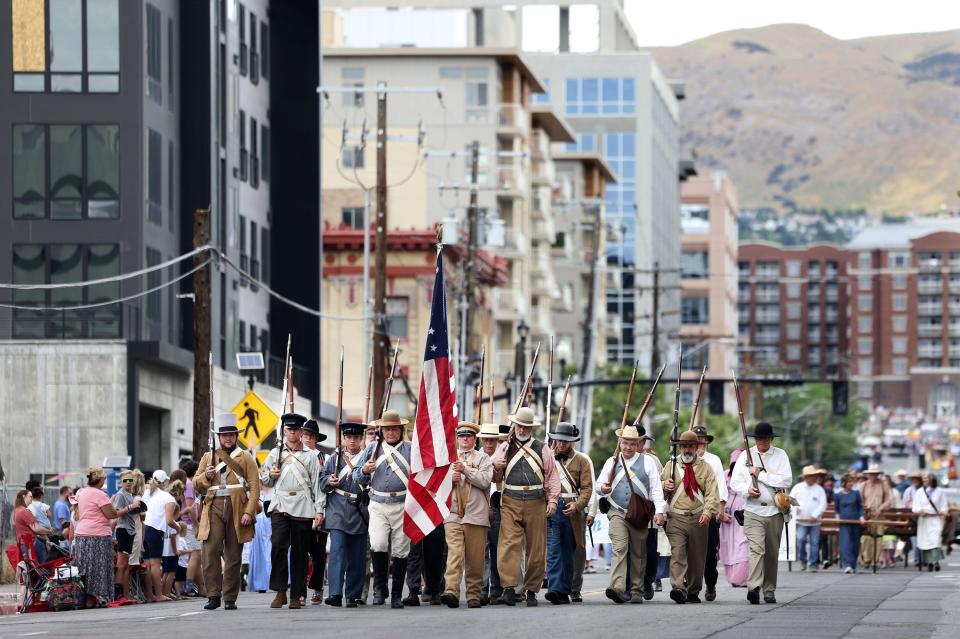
930 505
734 547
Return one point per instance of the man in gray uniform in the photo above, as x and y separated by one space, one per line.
346 520
385 468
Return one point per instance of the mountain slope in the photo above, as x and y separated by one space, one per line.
801 119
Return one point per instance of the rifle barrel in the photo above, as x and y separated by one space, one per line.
650 395
743 429
696 401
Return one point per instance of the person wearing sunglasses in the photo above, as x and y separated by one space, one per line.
128 507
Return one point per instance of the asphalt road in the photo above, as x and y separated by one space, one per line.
894 604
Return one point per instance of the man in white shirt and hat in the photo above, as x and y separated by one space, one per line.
628 466
763 486
811 504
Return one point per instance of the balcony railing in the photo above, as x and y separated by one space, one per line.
509 303
768 317
930 351
767 296
767 274
511 179
767 338
514 118
930 330
930 309
928 286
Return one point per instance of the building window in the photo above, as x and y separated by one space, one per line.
61 263
864 259
899 281
865 325
865 302
254 53
793 310
542 98
352 76
171 186
793 290
865 389
352 217
695 264
254 154
66 172
152 311
793 352
695 310
244 153
265 153
397 311
899 345
154 55
900 365
865 345
865 366
698 358
242 31
154 177
477 102
264 50
899 323
899 302
898 259
70 46
793 268
352 157
265 255
793 331
600 96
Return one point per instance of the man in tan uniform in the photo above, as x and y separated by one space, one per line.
531 487
466 526
230 485
691 492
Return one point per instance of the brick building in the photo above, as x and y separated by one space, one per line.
792 308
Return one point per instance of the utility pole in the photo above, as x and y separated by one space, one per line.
655 339
585 399
381 347
470 276
201 334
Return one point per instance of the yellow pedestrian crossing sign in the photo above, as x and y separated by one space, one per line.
255 420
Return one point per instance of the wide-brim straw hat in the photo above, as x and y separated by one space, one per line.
390 418
489 431
809 470
872 470
629 433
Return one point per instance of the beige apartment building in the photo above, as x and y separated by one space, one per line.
708 218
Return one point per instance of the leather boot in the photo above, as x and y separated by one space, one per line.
212 603
399 576
280 600
380 562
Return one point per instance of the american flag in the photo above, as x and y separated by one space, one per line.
434 433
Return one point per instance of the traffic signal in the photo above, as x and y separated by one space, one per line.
839 396
716 397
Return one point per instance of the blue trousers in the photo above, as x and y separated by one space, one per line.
809 532
491 576
561 547
849 545
348 562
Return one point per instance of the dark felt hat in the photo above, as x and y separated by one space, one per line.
763 429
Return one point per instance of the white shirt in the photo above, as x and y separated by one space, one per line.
812 501
156 516
718 473
776 474
649 465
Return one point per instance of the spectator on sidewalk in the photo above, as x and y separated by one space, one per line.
161 515
93 542
41 512
190 516
62 519
125 531
27 528
849 506
812 502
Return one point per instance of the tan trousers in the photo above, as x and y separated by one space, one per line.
466 547
222 580
519 516
763 533
688 552
629 545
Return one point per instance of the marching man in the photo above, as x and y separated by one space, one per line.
231 489
296 508
694 501
466 525
385 468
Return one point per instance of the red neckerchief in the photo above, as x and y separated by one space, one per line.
690 485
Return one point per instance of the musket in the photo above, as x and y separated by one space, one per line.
650 395
461 505
563 398
743 430
388 384
696 401
623 420
336 463
675 432
213 428
546 425
478 409
283 401
366 402
528 382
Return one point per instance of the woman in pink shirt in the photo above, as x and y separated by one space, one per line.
93 539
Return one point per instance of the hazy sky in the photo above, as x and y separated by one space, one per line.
664 23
